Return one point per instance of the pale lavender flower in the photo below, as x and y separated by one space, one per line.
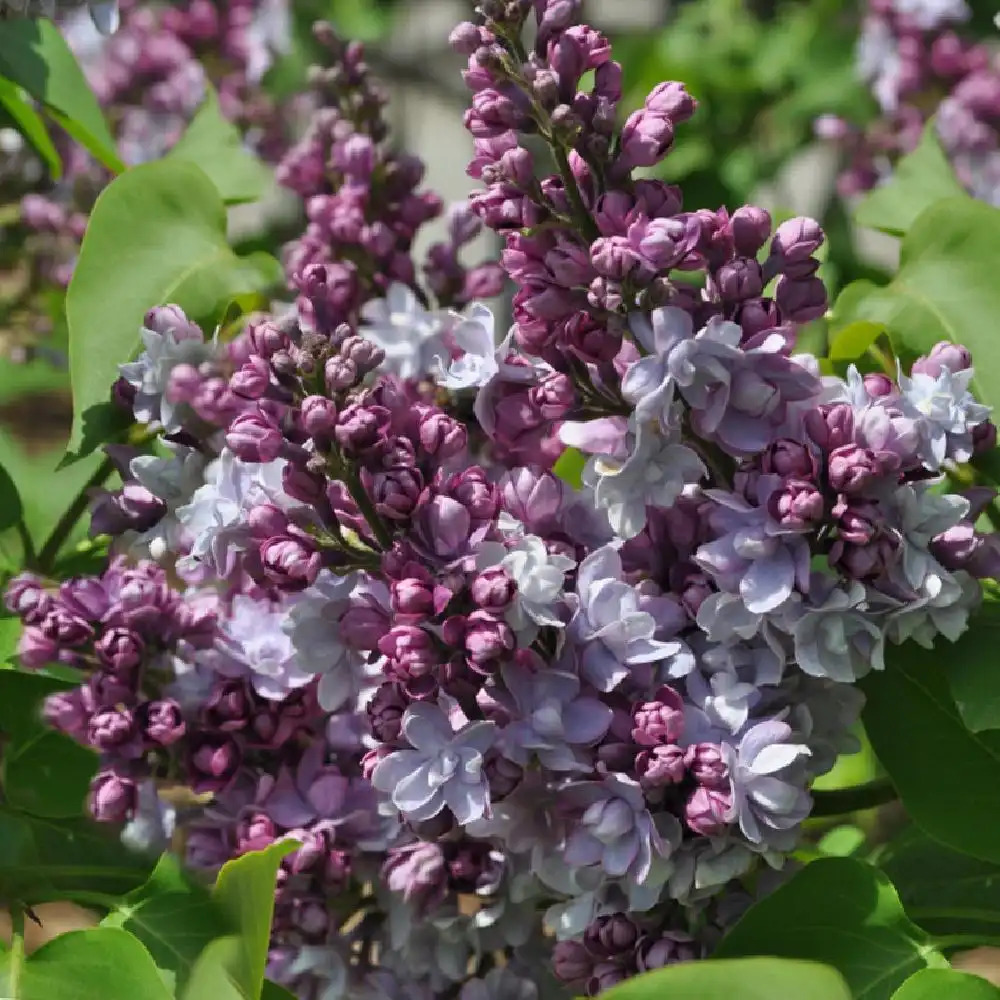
443 768
499 984
615 830
480 361
837 637
552 718
410 335
755 556
615 633
149 375
767 777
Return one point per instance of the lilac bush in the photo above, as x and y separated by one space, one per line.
499 715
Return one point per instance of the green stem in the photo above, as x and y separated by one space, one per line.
580 213
16 961
966 941
357 490
30 559
65 525
837 802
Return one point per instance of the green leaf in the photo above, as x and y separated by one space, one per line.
943 891
84 965
10 633
919 179
973 671
946 288
852 341
843 913
947 777
842 841
34 55
179 254
49 776
21 697
30 125
569 467
173 916
272 991
214 143
11 510
946 984
212 977
43 860
747 979
245 890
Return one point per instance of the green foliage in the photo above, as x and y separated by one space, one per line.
173 916
30 124
974 673
946 984
178 254
842 913
35 56
245 891
943 891
919 180
748 979
945 774
569 467
48 776
82 965
946 289
214 144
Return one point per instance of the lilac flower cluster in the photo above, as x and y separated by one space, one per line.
500 716
364 209
917 64
150 78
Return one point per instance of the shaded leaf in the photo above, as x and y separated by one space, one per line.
34 55
748 979
853 340
569 467
949 777
179 254
29 123
48 776
974 671
845 914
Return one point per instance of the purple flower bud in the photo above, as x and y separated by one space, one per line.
340 374
660 766
172 319
786 457
290 563
35 649
503 775
255 832
112 797
121 650
412 652
385 712
984 437
363 625
227 707
442 436
707 809
413 600
831 427
706 763
571 962
798 504
858 521
266 521
252 379
163 722
758 315
612 257
801 300
487 639
645 139
671 100
361 427
26 598
878 385
319 416
611 936
66 629
267 339
419 872
739 279
659 721
851 468
302 485
396 493
943 356
493 590
865 562
751 227
213 761
466 38
797 239
112 729
253 438
65 711
664 242
659 952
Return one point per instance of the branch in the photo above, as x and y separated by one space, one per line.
837 802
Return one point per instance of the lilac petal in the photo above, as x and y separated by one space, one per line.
602 564
477 736
768 582
582 849
415 790
618 857
426 727
774 794
762 735
467 802
285 805
602 668
604 436
585 721
642 378
328 793
775 757
391 770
